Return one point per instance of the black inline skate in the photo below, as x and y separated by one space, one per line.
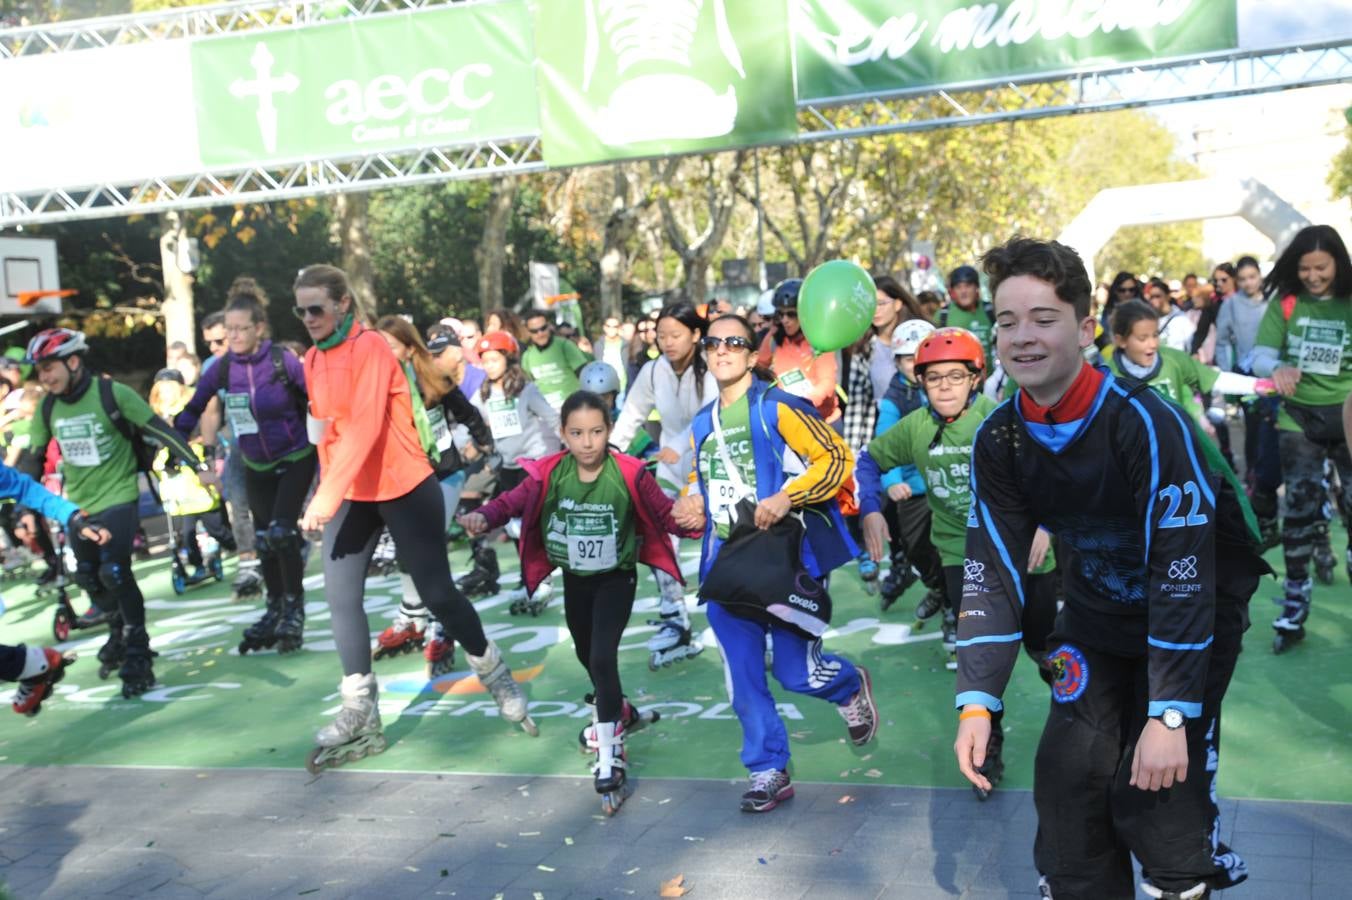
136 673
290 631
114 650
1290 625
262 635
482 581
929 606
900 576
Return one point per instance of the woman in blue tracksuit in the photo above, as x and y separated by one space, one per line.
908 513
742 445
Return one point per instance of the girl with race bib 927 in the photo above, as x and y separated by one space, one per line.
595 513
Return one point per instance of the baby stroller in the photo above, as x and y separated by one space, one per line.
186 503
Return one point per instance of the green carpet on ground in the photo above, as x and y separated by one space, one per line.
1285 727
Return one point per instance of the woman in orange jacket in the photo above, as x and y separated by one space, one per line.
799 370
375 473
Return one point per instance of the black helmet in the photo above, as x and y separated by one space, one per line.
786 294
170 375
964 275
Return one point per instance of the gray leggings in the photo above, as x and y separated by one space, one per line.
350 540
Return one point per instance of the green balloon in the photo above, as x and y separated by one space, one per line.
835 305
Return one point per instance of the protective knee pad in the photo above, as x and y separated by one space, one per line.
283 537
263 545
115 576
87 577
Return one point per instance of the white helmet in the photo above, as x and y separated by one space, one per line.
908 335
765 306
599 378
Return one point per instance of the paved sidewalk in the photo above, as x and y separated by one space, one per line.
248 833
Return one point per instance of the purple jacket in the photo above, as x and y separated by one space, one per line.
274 406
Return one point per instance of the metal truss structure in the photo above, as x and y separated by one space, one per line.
1231 74
264 184
1218 75
191 22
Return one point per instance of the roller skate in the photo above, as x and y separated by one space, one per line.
672 643
355 733
1325 563
768 789
482 581
539 601
994 766
1290 625
114 650
609 771
900 576
438 651
136 673
950 637
290 633
248 583
860 713
520 604
406 634
1196 892
630 718
929 606
45 667
868 573
262 635
497 678
385 559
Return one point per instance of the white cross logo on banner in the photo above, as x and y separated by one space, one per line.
264 86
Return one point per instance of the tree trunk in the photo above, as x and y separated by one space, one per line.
490 256
621 226
179 323
697 254
349 231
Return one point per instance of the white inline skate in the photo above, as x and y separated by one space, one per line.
355 733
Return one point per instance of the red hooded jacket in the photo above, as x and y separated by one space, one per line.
652 516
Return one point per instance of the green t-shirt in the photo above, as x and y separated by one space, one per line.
96 460
947 467
1317 339
1179 379
976 321
554 369
720 488
589 527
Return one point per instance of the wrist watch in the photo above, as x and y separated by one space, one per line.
1172 718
